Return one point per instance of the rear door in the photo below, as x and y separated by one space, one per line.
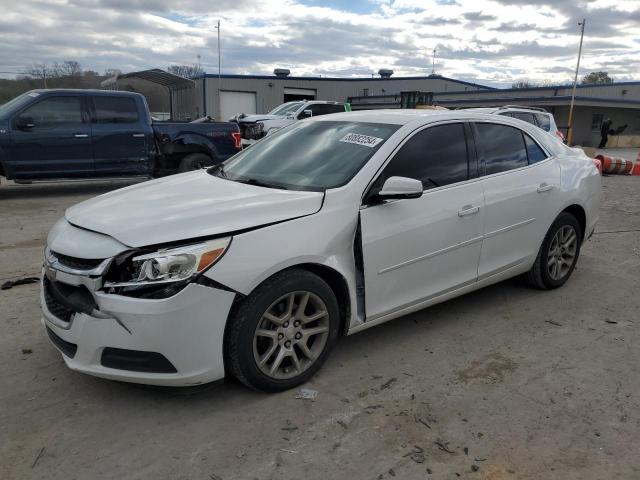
57 144
520 183
417 249
120 136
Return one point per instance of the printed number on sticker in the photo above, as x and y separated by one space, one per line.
359 139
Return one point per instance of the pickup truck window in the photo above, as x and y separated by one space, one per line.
111 109
54 111
285 108
308 155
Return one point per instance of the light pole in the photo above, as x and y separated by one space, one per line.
219 112
433 63
575 81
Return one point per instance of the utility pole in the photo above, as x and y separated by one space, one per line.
219 112
575 81
433 63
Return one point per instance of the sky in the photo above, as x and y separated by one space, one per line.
494 42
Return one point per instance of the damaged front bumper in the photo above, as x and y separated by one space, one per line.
174 341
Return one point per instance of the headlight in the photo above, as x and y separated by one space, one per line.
172 265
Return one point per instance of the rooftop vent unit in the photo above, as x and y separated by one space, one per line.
385 73
281 72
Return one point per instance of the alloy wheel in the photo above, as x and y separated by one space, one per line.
562 252
291 335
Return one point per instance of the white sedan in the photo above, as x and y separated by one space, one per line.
255 267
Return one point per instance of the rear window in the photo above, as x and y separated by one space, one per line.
544 122
115 109
527 117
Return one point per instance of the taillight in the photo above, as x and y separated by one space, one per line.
237 138
560 134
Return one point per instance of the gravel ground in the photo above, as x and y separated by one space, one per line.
504 383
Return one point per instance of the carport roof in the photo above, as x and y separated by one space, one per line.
559 100
154 75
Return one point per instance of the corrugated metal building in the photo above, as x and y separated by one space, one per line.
233 94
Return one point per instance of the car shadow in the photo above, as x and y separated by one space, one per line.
398 332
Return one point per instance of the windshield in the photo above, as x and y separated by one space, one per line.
16 102
307 155
285 108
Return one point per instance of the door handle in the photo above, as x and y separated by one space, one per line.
544 187
81 135
468 210
138 135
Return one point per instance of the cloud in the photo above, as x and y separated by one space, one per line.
487 41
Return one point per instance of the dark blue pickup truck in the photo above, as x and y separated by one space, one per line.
65 134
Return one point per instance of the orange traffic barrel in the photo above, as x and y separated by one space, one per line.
636 167
598 163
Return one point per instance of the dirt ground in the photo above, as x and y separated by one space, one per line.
504 383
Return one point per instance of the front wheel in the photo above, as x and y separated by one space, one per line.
282 333
558 254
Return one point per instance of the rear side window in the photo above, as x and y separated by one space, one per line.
534 152
436 156
527 117
501 147
115 109
54 111
544 122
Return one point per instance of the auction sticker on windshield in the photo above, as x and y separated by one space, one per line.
360 139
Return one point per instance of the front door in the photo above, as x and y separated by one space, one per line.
418 249
56 143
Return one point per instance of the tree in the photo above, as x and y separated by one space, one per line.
186 71
596 78
523 84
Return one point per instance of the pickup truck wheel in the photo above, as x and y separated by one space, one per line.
282 333
194 161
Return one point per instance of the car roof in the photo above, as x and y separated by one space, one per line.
405 117
83 91
507 109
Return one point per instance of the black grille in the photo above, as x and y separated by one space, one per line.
68 348
56 308
77 263
136 361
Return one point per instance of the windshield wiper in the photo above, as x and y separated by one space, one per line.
261 183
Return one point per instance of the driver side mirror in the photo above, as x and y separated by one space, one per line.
399 188
306 114
25 123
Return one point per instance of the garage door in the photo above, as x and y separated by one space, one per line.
293 94
233 103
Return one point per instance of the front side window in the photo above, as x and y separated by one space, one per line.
115 109
501 147
307 155
55 111
436 156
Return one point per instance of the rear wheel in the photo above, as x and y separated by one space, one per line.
283 332
558 253
194 161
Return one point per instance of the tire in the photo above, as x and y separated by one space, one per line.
194 161
543 275
256 336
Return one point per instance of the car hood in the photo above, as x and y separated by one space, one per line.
259 118
186 206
